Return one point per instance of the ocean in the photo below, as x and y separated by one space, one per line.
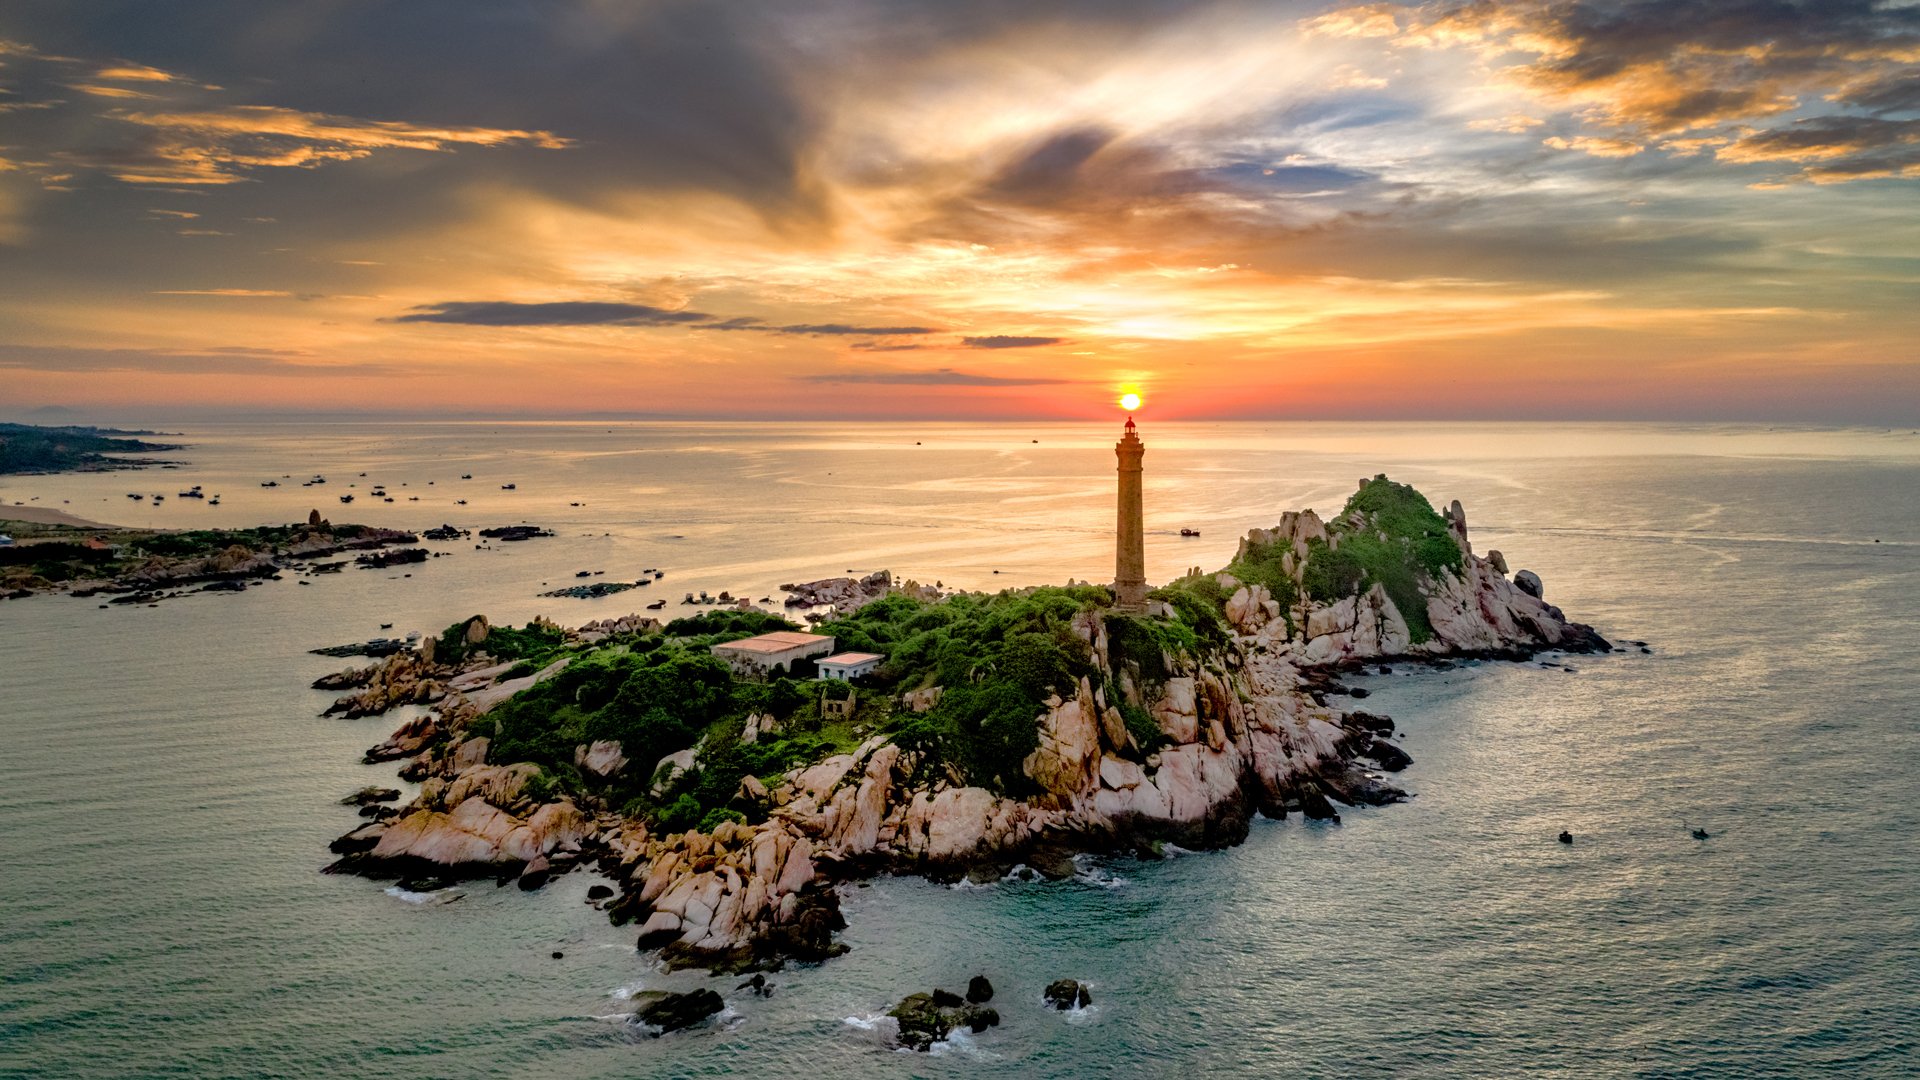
168 789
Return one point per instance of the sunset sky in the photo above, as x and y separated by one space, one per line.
1553 208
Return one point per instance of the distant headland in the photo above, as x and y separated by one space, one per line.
27 448
726 771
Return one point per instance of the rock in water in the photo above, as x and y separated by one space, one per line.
536 873
1068 994
925 1020
671 1012
922 1023
1390 757
979 990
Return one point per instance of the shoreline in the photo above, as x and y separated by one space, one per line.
47 515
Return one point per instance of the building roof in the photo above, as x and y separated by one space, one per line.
776 642
848 659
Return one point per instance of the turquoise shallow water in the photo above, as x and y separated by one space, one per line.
170 790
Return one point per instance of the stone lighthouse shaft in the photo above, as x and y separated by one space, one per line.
1130 542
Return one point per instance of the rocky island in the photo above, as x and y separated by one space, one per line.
1020 727
146 565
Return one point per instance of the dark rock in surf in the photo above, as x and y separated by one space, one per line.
1066 994
979 990
672 1012
1389 756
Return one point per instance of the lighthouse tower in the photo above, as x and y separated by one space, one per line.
1130 543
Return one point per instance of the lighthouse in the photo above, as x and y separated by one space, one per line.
1130 542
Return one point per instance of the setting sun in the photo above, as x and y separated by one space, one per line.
1130 402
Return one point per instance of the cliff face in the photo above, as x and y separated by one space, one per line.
1234 725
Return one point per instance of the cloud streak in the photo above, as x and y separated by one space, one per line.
1008 341
609 313
940 377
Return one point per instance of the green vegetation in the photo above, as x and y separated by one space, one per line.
25 448
725 625
1263 565
657 695
535 645
997 659
1399 541
52 561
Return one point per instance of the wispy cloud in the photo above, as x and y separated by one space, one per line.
125 72
1008 341
940 377
221 292
557 313
223 145
613 313
211 361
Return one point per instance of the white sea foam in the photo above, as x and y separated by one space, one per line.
868 1023
411 897
1089 872
1087 1015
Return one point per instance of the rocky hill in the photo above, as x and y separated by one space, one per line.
1015 728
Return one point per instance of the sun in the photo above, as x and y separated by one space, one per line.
1130 402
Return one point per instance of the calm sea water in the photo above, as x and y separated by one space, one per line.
169 789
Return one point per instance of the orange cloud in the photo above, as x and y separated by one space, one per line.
1596 145
135 73
218 146
1669 69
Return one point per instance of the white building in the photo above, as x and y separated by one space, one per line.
849 665
766 652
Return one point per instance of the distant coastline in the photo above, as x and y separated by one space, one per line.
30 449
